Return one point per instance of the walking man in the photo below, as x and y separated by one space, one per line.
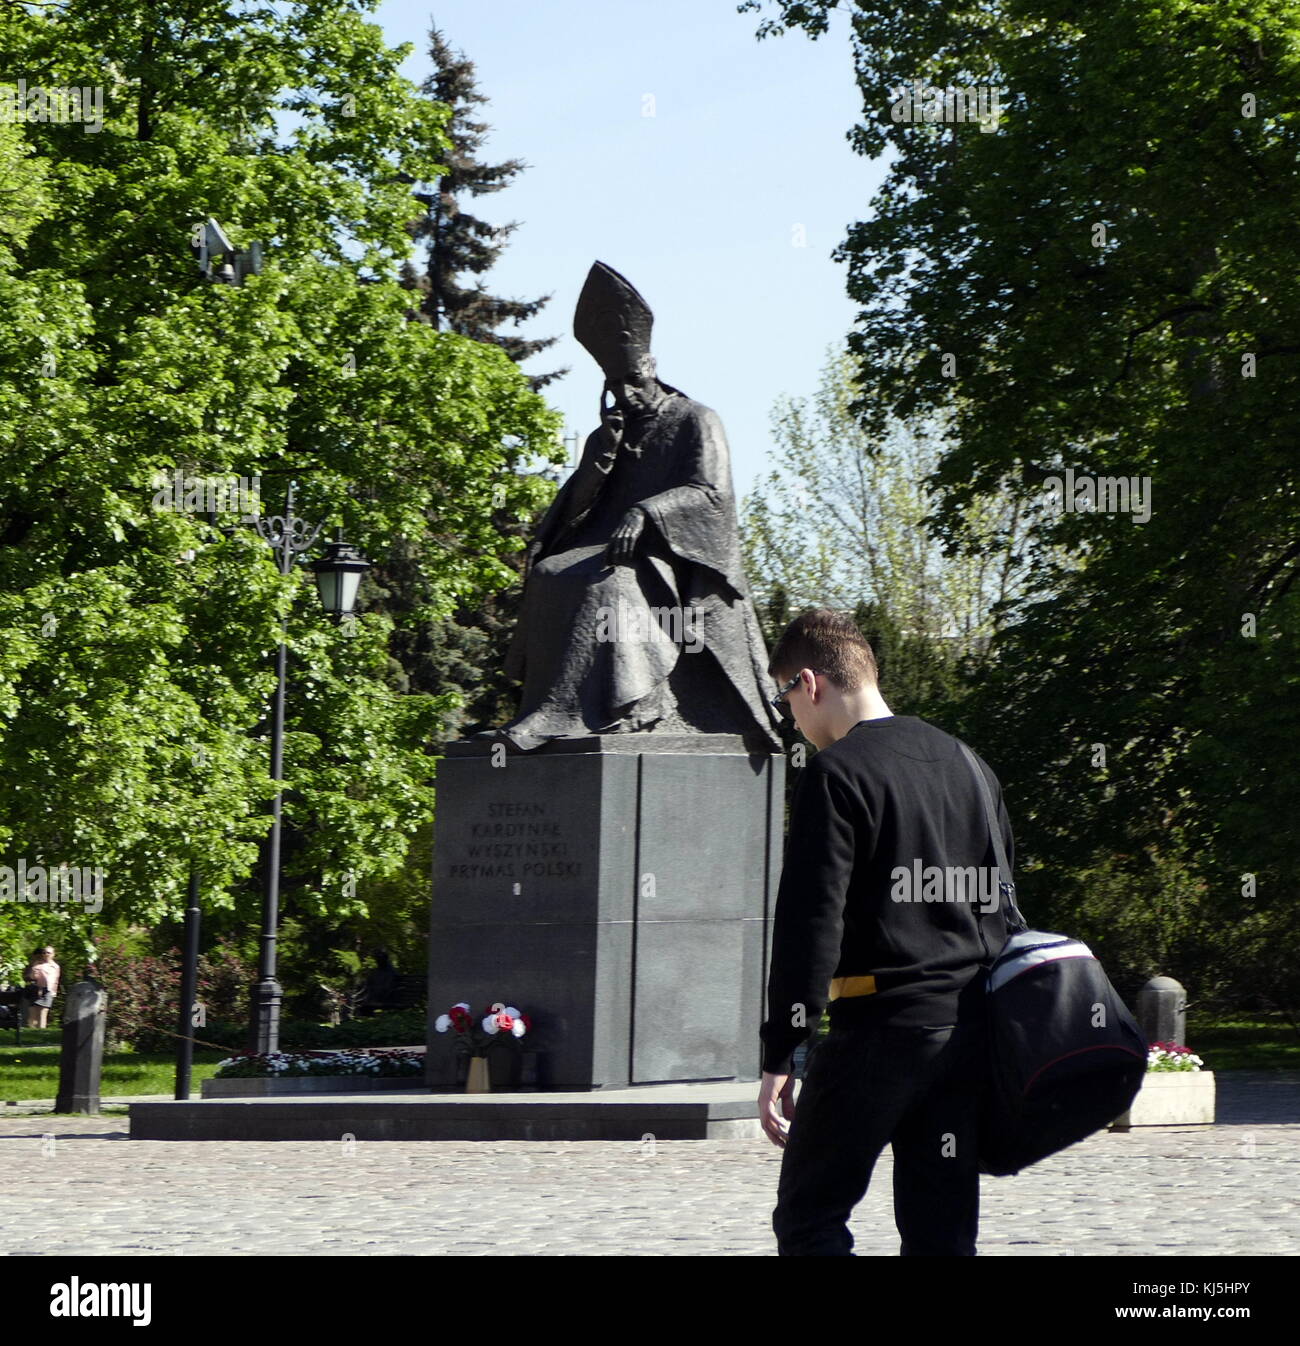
888 912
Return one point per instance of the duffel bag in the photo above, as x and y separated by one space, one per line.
1065 1055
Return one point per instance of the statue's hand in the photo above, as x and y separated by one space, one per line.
622 544
611 422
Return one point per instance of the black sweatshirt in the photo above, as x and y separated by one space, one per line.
876 820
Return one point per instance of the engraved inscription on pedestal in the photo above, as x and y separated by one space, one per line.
516 840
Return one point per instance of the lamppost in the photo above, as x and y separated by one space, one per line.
338 576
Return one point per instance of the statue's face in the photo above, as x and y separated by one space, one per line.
636 391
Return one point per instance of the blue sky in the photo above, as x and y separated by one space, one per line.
701 205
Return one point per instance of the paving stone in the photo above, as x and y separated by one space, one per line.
1152 1191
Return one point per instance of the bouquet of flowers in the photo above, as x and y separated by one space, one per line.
500 1023
1170 1056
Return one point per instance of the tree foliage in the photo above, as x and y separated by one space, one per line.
137 642
1112 272
843 520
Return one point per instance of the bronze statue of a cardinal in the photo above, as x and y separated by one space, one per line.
636 614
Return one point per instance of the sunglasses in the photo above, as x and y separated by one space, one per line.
779 700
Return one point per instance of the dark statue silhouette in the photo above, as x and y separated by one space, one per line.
636 614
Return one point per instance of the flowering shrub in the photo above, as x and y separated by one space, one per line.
495 1026
283 1064
144 990
1170 1056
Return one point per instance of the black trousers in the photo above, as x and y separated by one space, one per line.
863 1088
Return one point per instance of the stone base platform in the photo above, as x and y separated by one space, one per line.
265 1086
706 1111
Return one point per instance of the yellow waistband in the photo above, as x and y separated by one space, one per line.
842 986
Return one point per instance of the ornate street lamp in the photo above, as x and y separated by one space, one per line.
338 576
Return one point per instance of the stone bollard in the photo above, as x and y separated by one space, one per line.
1162 1011
82 1054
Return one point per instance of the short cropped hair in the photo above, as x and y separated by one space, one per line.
828 642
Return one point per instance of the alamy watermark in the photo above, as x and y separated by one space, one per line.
926 103
946 883
74 1298
19 103
52 886
1080 493
630 623
208 495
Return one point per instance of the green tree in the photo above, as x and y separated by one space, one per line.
136 641
843 520
1105 282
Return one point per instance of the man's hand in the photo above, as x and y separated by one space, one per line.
623 542
776 1107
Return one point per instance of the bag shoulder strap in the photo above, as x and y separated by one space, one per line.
1006 883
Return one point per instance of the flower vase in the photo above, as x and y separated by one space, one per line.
479 1081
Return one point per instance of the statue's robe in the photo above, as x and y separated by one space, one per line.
675 464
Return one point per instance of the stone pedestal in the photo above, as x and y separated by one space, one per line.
619 890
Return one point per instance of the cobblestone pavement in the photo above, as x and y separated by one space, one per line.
1228 1189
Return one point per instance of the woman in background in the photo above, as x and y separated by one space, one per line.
42 978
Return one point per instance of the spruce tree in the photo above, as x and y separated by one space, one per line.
458 243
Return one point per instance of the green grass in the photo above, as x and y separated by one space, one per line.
32 1071
1265 1042
1260 1043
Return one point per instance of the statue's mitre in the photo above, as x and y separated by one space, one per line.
612 321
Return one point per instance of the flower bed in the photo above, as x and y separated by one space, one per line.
1176 1090
391 1063
1171 1056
